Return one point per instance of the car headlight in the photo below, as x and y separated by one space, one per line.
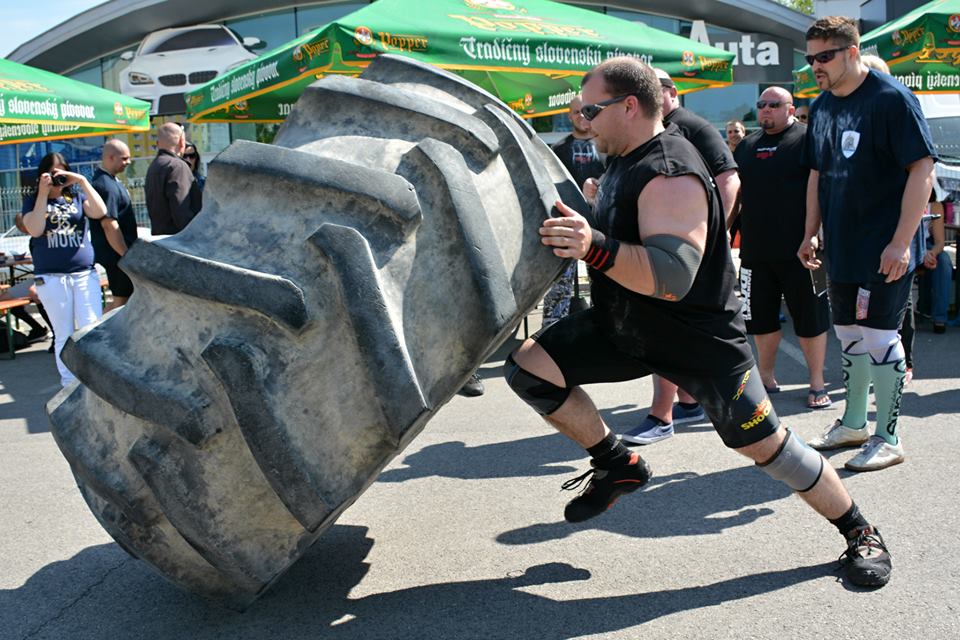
136 77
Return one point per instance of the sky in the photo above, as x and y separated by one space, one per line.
23 20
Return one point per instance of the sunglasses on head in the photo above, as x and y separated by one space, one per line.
591 111
773 104
825 56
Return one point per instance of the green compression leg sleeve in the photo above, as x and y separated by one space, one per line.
888 389
856 380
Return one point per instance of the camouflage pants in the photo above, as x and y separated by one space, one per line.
556 304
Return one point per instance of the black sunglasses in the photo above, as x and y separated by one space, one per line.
189 155
825 56
763 104
591 111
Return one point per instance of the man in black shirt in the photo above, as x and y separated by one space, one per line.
579 155
773 187
118 229
662 281
658 424
172 192
871 158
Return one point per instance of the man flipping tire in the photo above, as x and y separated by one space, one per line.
662 283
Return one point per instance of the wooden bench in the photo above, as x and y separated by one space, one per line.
5 307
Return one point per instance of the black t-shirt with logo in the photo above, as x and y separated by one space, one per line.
702 334
580 157
862 144
705 138
120 208
773 193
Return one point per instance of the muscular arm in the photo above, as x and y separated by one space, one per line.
807 250
667 206
729 184
895 259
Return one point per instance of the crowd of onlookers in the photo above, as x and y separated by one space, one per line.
75 224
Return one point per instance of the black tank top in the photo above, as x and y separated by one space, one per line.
701 335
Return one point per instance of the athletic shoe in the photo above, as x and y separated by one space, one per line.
682 415
604 488
875 455
838 436
473 387
649 431
866 560
36 335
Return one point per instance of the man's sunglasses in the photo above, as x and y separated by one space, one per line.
591 111
763 104
825 56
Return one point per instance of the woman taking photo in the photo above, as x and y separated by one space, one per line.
56 220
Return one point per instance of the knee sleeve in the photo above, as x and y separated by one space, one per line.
795 464
545 397
851 338
883 345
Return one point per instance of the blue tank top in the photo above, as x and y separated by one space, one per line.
65 245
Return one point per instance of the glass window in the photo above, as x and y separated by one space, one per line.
187 39
310 18
272 29
670 25
736 102
90 74
112 67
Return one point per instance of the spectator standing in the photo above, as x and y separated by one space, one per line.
579 155
117 230
773 187
172 193
65 280
736 132
803 112
192 155
658 424
872 168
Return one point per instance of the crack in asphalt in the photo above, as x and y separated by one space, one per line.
73 602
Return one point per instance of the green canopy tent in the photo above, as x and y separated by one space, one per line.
532 54
37 105
922 49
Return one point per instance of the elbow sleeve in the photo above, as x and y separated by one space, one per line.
674 263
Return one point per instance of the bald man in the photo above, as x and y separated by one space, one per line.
118 229
773 188
173 197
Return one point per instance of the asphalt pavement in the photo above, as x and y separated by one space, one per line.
463 534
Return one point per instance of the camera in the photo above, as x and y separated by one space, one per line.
59 180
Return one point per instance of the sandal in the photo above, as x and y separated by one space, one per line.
775 388
818 399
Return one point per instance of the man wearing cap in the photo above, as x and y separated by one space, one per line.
658 425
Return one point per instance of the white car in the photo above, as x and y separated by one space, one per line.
171 62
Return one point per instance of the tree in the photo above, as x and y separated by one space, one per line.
803 6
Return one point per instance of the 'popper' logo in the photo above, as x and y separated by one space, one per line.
743 386
953 23
759 414
363 35
687 59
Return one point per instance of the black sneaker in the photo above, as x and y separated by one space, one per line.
604 488
866 560
473 387
37 334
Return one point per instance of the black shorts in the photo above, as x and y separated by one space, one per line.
737 404
120 284
763 283
885 306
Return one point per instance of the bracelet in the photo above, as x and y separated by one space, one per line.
602 254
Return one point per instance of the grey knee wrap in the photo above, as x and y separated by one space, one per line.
545 397
795 464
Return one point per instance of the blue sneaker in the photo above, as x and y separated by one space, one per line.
682 415
648 432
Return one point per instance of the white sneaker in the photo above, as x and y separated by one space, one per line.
837 435
875 455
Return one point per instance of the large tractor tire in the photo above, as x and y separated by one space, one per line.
338 287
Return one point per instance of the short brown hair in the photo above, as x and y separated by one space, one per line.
840 30
629 76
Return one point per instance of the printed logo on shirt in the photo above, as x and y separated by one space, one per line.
765 153
849 141
65 232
